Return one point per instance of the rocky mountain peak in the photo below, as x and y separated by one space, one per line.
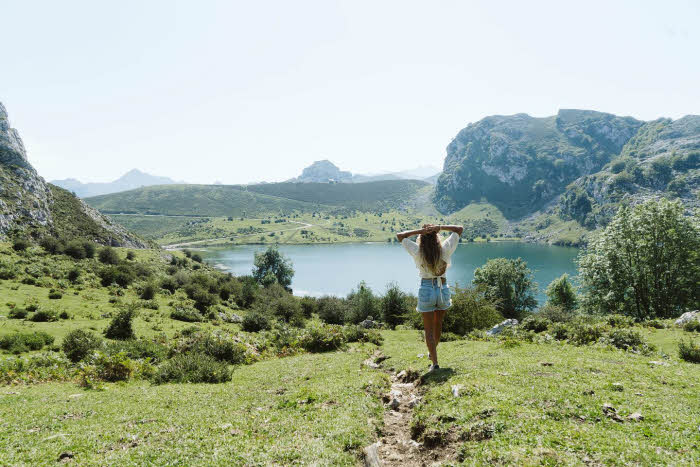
323 172
12 152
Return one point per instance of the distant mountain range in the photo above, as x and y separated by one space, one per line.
326 172
129 181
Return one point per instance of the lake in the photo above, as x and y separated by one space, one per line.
335 269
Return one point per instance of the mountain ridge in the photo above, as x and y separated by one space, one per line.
134 178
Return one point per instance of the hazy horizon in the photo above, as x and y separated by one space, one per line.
240 92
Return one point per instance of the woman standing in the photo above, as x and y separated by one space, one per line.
432 258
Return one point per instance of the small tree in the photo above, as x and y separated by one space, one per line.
121 326
508 283
20 244
470 310
645 264
393 306
274 262
560 292
363 302
108 255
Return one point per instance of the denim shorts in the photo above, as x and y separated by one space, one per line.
433 296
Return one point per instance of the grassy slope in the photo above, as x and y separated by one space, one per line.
541 414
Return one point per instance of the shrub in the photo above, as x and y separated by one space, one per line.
355 333
625 271
284 306
560 331
139 349
197 258
555 313
44 316
34 369
23 342
309 306
275 264
202 298
130 256
255 321
655 323
90 248
692 326
169 284
619 321
450 337
8 269
394 306
508 283
74 275
333 310
20 244
121 327
121 275
363 304
249 291
323 338
55 294
561 293
148 292
51 245
115 367
79 343
75 249
536 323
470 310
215 345
189 315
108 255
192 368
689 351
626 339
17 313
583 334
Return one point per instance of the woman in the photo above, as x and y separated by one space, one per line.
432 259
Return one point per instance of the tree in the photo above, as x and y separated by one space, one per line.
560 292
393 306
507 282
364 303
108 255
470 310
272 261
645 264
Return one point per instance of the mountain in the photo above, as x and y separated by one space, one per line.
28 204
322 172
130 180
569 172
426 173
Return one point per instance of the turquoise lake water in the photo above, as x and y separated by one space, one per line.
336 269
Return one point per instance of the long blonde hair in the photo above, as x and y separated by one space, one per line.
431 252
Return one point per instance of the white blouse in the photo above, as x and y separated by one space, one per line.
449 245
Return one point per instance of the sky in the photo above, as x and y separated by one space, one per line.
246 91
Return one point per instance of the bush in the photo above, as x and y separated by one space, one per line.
560 331
692 326
249 291
75 250
689 351
79 343
215 345
355 333
536 323
555 313
44 316
148 292
169 284
363 304
274 264
90 248
508 283
121 327
8 270
655 323
108 255
583 334
17 313
333 310
188 315
139 349
255 321
74 275
470 310
626 339
323 338
282 305
561 293
130 255
51 245
20 244
122 275
192 368
23 342
393 306
309 306
619 321
116 367
202 298
55 294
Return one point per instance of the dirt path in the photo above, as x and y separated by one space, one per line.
396 446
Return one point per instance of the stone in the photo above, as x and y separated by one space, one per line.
455 389
66 456
617 387
497 329
687 317
369 324
635 417
371 454
656 363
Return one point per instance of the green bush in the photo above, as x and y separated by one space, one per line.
23 342
471 310
555 313
90 248
560 292
122 275
108 255
273 264
450 337
559 331
217 345
139 349
508 283
202 298
79 343
626 339
121 327
655 323
333 310
249 291
20 244
114 367
8 269
130 255
255 321
188 315
55 294
74 275
169 284
309 306
689 351
75 250
583 334
355 333
148 292
363 304
192 368
393 306
536 323
51 245
276 300
44 316
17 313
692 326
323 338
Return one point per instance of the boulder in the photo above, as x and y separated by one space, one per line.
687 317
497 329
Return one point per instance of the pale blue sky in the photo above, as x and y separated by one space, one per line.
256 90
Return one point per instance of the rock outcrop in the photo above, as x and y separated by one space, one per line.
29 204
323 172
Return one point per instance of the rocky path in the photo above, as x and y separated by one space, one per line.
396 447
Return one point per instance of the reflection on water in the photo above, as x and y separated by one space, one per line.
337 268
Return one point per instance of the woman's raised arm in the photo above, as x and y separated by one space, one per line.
410 233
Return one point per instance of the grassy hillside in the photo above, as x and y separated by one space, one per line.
197 200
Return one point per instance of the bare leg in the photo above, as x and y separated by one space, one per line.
429 325
439 316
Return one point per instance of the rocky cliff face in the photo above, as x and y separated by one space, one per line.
323 172
29 204
520 163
